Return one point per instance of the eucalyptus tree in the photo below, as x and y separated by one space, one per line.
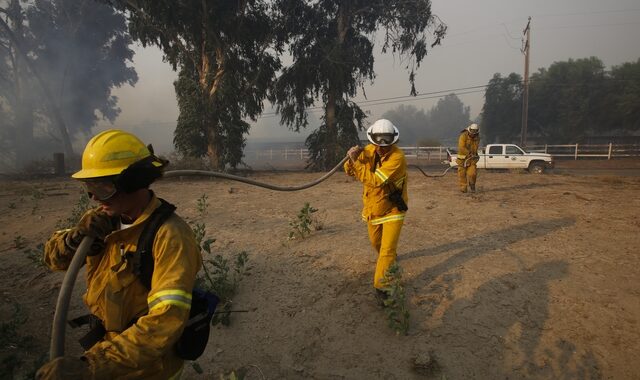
565 101
502 110
624 97
332 43
60 60
226 59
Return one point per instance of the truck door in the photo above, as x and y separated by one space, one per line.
494 157
514 157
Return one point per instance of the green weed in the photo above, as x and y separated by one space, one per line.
13 345
82 205
12 206
301 225
19 242
394 303
36 255
219 277
203 204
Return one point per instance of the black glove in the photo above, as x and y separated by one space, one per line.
94 223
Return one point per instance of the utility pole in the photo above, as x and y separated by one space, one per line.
525 95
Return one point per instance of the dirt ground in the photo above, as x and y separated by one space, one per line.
534 276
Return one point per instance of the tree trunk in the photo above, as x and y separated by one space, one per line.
332 130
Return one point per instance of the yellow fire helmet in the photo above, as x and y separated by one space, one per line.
110 152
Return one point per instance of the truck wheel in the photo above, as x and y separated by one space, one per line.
536 168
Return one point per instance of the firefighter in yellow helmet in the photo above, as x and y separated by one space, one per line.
133 328
468 157
382 169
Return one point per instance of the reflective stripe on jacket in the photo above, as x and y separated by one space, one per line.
392 169
116 296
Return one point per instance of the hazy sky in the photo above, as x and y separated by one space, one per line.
483 38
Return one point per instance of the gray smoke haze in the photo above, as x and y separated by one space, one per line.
484 37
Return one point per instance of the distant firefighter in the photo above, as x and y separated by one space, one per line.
468 157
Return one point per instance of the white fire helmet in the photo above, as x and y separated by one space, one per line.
473 129
383 133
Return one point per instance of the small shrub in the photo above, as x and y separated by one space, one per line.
14 345
202 204
394 303
36 255
301 226
82 205
19 242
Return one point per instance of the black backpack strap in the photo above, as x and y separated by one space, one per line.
143 264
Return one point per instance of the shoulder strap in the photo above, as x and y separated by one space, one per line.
144 251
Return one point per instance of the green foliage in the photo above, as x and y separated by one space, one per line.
218 276
568 100
227 61
332 45
222 280
301 225
14 346
203 204
502 111
82 205
19 242
36 255
394 303
79 54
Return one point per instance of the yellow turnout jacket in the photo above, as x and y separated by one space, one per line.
467 145
143 350
379 182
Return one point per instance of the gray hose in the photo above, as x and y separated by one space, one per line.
431 175
180 173
62 307
64 297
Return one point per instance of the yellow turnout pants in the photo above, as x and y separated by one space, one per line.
466 175
384 239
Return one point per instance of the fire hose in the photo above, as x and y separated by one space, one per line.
431 175
56 349
66 289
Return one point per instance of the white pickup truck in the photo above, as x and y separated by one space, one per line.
507 156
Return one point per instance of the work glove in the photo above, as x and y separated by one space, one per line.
64 368
354 152
94 223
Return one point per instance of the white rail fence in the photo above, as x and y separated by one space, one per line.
439 153
576 151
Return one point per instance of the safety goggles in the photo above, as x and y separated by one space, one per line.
102 189
383 138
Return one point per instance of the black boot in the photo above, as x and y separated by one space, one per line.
381 297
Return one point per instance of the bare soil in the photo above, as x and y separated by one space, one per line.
533 276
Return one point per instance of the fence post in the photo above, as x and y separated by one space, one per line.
285 153
440 153
576 153
301 156
271 154
417 152
545 148
609 155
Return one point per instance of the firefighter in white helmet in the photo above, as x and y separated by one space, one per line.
468 157
382 169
